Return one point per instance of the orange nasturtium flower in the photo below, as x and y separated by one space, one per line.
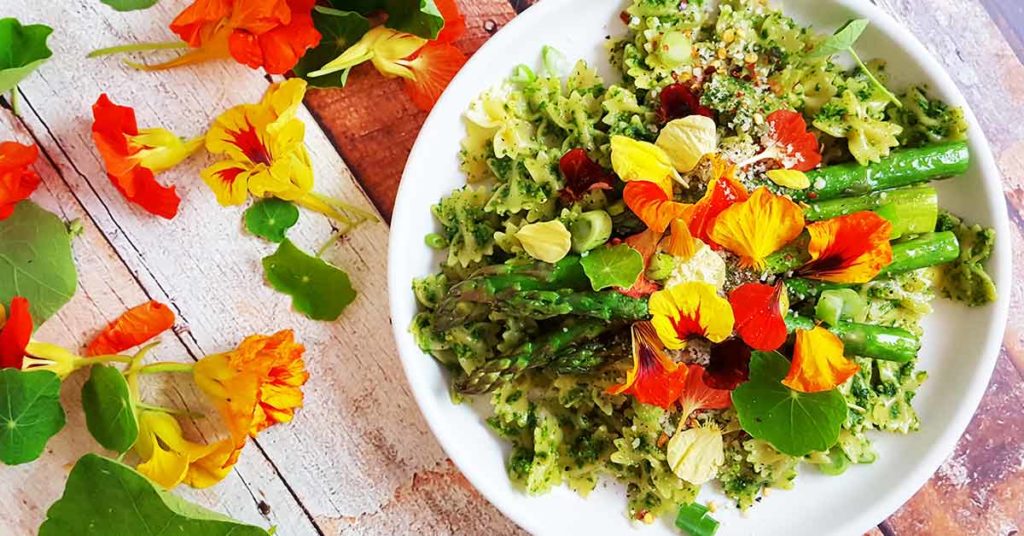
692 309
136 326
654 379
134 156
681 242
256 385
848 249
818 362
758 227
17 180
697 394
169 459
652 204
721 193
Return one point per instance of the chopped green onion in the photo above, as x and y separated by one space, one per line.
554 61
435 241
693 519
522 75
590 230
836 304
838 462
675 49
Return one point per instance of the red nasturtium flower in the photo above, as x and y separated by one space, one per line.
454 21
788 142
697 394
17 180
136 326
433 67
729 365
272 34
848 249
581 175
759 311
654 379
677 101
133 156
15 333
818 362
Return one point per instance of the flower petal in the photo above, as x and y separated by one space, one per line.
848 249
794 146
433 67
635 160
687 140
652 205
15 334
654 379
17 180
818 362
547 241
759 311
758 226
721 193
729 365
677 100
278 48
695 454
581 175
690 309
681 243
697 394
454 21
134 327
789 178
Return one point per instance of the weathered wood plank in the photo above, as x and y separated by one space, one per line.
1009 16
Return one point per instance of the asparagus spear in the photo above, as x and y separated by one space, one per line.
911 210
900 168
866 340
531 354
540 304
925 250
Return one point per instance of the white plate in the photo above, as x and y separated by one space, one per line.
960 344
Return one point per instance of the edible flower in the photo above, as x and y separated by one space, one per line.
695 454
652 204
51 357
15 333
635 160
728 365
698 395
273 34
680 243
818 362
760 311
133 156
454 21
721 193
646 243
692 309
433 67
547 241
789 178
169 459
687 140
788 142
134 327
853 248
17 180
256 385
758 227
678 100
581 175
654 379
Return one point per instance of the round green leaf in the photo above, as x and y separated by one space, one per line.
318 290
30 413
795 423
24 50
105 498
615 266
109 414
271 218
35 260
129 5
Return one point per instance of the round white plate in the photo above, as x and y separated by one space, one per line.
960 344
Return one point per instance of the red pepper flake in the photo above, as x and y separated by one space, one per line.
729 365
582 175
678 100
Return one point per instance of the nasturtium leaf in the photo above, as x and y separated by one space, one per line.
130 5
418 17
109 414
103 497
842 39
271 218
22 50
30 413
794 423
614 266
340 30
318 290
35 261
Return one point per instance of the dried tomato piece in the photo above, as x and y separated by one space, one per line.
678 100
582 175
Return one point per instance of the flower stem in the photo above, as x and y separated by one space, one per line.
137 47
167 366
170 411
888 94
94 360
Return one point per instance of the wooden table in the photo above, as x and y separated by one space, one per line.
358 459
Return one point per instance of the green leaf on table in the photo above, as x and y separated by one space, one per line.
22 50
418 17
271 218
794 423
35 260
318 290
130 5
340 30
842 39
614 266
109 414
30 413
103 497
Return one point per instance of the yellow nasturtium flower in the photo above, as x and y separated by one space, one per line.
169 459
687 140
547 241
693 309
695 454
635 160
758 227
160 149
790 178
382 46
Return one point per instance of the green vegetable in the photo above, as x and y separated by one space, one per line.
614 266
795 423
129 5
911 211
867 340
24 51
107 404
35 261
835 305
271 218
843 39
340 30
318 290
554 61
929 249
435 241
103 497
590 230
694 519
926 120
965 279
837 464
542 304
900 168
30 413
